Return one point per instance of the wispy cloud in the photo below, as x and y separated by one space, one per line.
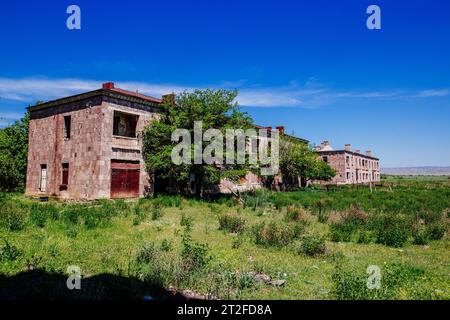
309 95
433 93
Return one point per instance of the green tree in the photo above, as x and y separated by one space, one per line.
216 109
298 160
14 155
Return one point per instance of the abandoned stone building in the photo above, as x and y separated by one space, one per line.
88 146
352 167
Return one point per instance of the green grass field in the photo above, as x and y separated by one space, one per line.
321 242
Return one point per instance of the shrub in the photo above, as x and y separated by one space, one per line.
294 213
194 255
321 206
342 231
436 230
156 211
364 236
237 242
72 214
9 252
38 216
151 267
139 215
312 245
273 234
166 245
350 222
419 233
231 222
186 222
14 215
72 232
391 230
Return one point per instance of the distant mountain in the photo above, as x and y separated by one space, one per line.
417 171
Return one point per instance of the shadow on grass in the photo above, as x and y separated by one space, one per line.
41 285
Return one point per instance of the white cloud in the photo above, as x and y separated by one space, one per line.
310 95
434 93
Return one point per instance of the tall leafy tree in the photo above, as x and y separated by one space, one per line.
14 155
216 109
297 160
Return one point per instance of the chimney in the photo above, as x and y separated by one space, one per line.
348 147
108 85
280 129
169 99
368 153
357 151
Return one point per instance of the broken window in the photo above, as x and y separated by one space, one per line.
125 124
67 123
325 159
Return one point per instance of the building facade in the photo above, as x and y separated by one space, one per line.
352 167
89 146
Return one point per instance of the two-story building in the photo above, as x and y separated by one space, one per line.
88 146
352 167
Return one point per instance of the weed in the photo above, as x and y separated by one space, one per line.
231 222
9 252
312 245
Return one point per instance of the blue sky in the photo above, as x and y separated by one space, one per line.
311 66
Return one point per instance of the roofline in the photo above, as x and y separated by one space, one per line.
99 92
346 151
285 134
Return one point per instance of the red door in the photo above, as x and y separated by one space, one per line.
124 179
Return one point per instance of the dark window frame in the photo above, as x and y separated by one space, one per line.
67 126
64 176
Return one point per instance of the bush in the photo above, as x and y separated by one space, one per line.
186 222
294 213
38 216
194 255
231 222
364 236
273 234
342 231
14 215
9 252
419 233
151 267
156 211
139 215
321 206
351 221
391 230
72 214
436 230
312 245
166 245
237 242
